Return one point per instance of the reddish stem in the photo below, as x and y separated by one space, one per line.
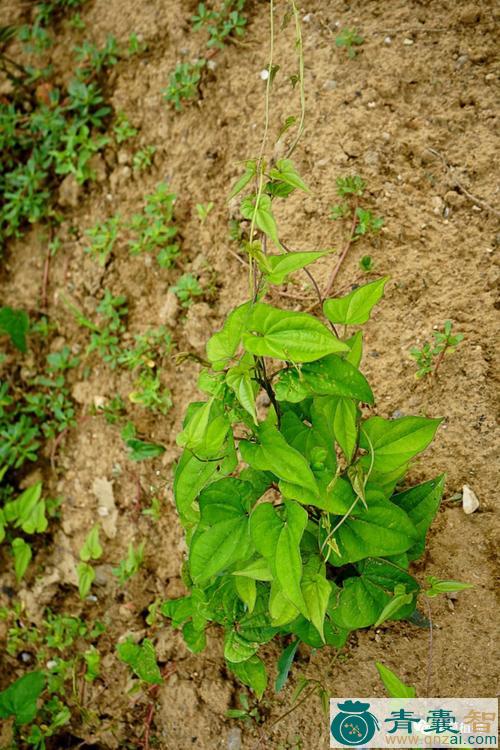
348 244
167 672
45 282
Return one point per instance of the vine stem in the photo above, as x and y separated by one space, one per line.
358 497
431 648
260 165
441 357
343 256
298 39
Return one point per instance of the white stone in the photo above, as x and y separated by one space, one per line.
470 503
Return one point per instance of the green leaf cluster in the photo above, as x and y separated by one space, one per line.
294 519
26 514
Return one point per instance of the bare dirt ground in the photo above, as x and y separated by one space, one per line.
424 81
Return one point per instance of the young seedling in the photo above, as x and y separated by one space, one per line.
430 356
56 644
135 45
141 658
362 222
91 550
154 511
203 209
103 238
350 39
148 348
122 128
184 83
41 409
221 24
46 132
154 227
366 263
105 339
187 289
77 22
143 159
131 564
139 450
150 393
94 59
246 712
113 410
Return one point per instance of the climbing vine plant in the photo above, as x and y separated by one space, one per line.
287 491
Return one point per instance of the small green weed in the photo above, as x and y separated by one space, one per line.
350 39
131 564
187 289
139 450
77 22
91 550
95 60
40 409
143 159
203 209
366 263
429 357
135 45
103 237
141 659
148 348
154 511
150 393
221 24
60 646
154 227
105 339
246 712
184 83
122 128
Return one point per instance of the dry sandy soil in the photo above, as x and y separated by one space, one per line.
425 78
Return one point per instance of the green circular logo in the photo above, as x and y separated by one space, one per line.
354 724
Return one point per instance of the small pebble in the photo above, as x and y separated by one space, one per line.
211 64
330 85
264 74
407 42
388 40
234 739
51 664
470 503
